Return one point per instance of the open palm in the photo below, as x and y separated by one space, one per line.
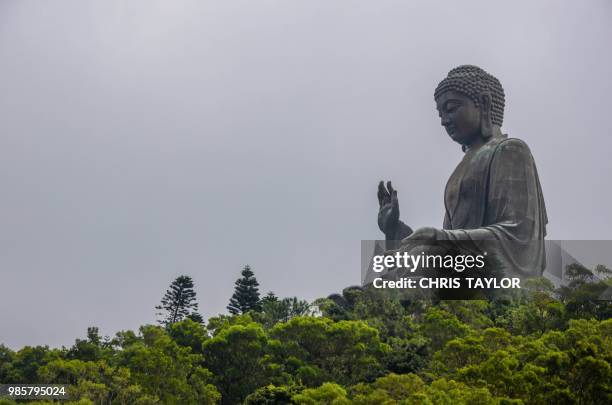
388 214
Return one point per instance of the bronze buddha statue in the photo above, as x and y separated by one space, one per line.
494 192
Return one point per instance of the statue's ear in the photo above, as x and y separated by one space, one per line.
486 125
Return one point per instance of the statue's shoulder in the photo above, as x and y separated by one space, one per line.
512 150
512 144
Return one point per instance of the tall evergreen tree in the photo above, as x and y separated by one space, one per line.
196 317
270 297
178 302
246 293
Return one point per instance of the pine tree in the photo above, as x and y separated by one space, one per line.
246 294
269 298
196 317
178 302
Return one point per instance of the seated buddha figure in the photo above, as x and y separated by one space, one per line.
494 193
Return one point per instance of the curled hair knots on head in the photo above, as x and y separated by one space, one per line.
473 82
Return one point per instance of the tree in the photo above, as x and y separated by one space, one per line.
246 293
272 395
188 333
270 297
440 326
316 350
179 301
237 358
328 393
586 295
196 317
91 349
24 364
274 310
166 369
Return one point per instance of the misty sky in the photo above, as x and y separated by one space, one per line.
142 140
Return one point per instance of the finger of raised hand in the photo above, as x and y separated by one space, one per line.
390 188
383 195
394 199
381 192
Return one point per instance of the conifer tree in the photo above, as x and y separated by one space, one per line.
178 302
270 297
196 317
246 293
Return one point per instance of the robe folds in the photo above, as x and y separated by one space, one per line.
494 201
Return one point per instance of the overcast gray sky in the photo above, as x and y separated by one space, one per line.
142 140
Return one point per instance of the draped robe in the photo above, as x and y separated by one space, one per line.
494 194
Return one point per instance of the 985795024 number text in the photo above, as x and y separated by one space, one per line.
34 391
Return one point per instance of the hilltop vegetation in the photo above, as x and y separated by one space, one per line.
546 346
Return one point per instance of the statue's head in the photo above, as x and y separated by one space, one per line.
470 103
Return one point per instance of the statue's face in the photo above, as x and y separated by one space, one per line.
459 116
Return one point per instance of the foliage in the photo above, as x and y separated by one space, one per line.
318 350
236 356
272 395
188 333
274 310
179 302
328 394
246 293
545 345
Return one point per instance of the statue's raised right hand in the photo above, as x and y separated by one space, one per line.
388 214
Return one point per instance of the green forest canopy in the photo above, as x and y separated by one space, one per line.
545 346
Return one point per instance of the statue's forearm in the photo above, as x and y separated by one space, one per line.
464 238
403 231
400 232
483 233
